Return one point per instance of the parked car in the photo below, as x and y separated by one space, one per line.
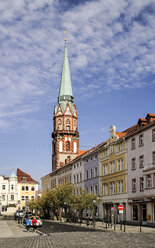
18 213
39 221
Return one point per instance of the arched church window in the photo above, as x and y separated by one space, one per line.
59 121
67 145
68 124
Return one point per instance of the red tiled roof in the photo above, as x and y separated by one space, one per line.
80 153
28 178
6 178
120 135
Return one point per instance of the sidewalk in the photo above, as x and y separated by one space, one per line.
10 228
99 225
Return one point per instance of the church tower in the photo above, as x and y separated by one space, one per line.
65 144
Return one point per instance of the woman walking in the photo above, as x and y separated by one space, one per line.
34 224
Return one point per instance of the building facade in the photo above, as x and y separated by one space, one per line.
8 194
27 189
141 171
113 178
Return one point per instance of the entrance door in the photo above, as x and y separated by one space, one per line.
144 212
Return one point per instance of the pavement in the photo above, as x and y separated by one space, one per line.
62 235
10 228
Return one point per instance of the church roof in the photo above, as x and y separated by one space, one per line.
65 91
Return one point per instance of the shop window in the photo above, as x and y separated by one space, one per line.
135 212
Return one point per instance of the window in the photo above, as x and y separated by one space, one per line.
105 153
77 176
12 197
141 142
91 173
32 198
105 189
149 181
95 189
141 183
96 156
23 188
120 147
68 128
22 198
141 161
86 174
67 145
3 197
74 179
91 189
120 186
112 149
23 179
112 166
133 144
74 166
32 188
134 185
3 187
133 164
12 186
95 170
80 177
112 188
153 158
120 164
27 188
153 134
105 169
135 212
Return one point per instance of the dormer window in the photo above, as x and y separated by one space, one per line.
23 179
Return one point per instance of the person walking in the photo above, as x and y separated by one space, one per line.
34 224
28 223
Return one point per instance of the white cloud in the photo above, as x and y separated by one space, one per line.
109 47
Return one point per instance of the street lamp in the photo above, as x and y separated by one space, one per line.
18 205
65 208
0 205
94 202
27 208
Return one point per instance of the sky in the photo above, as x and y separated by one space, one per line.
111 50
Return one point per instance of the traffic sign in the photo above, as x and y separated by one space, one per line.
120 207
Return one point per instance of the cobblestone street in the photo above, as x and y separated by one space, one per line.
82 240
68 236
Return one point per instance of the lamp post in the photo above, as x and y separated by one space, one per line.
65 208
94 202
0 205
18 211
27 205
51 209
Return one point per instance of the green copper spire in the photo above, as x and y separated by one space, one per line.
65 91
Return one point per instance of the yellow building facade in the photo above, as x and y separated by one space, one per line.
27 189
113 180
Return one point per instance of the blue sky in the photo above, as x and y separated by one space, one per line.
111 49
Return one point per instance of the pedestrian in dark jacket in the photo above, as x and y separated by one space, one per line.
34 224
28 223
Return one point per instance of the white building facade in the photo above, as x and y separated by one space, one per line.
141 172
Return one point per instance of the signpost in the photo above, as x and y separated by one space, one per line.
120 207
